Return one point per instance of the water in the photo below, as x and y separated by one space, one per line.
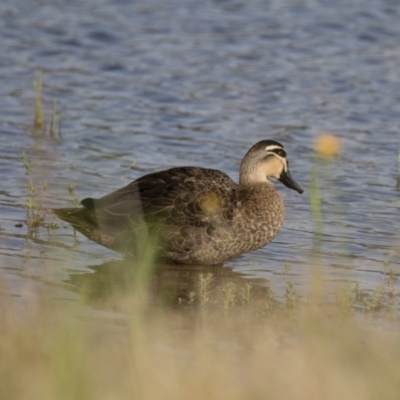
155 84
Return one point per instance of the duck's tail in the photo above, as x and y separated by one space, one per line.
79 218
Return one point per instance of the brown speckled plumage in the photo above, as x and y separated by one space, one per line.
191 215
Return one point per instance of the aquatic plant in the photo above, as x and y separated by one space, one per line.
34 203
39 125
38 119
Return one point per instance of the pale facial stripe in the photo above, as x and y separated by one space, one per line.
273 147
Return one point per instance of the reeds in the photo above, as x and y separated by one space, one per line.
34 204
38 87
39 124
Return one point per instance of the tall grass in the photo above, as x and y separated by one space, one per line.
49 351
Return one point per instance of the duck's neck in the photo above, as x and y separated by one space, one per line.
257 188
251 174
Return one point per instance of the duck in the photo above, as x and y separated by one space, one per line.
191 215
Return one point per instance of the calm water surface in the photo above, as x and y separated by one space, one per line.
148 85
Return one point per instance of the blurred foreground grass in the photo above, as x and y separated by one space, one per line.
229 341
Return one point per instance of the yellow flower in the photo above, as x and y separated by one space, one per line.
327 144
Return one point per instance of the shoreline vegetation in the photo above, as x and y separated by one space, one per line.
131 337
141 331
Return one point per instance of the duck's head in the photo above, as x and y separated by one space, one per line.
267 159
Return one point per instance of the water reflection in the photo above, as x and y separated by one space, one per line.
170 285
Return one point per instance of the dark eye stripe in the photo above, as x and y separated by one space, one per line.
280 152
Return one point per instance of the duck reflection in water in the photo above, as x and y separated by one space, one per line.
168 285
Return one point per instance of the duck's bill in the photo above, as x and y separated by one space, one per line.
287 180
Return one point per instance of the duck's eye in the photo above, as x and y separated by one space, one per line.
280 152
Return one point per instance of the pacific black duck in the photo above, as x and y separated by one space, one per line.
191 215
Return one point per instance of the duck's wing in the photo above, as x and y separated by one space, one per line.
186 195
173 208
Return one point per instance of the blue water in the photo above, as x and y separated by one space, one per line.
147 85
